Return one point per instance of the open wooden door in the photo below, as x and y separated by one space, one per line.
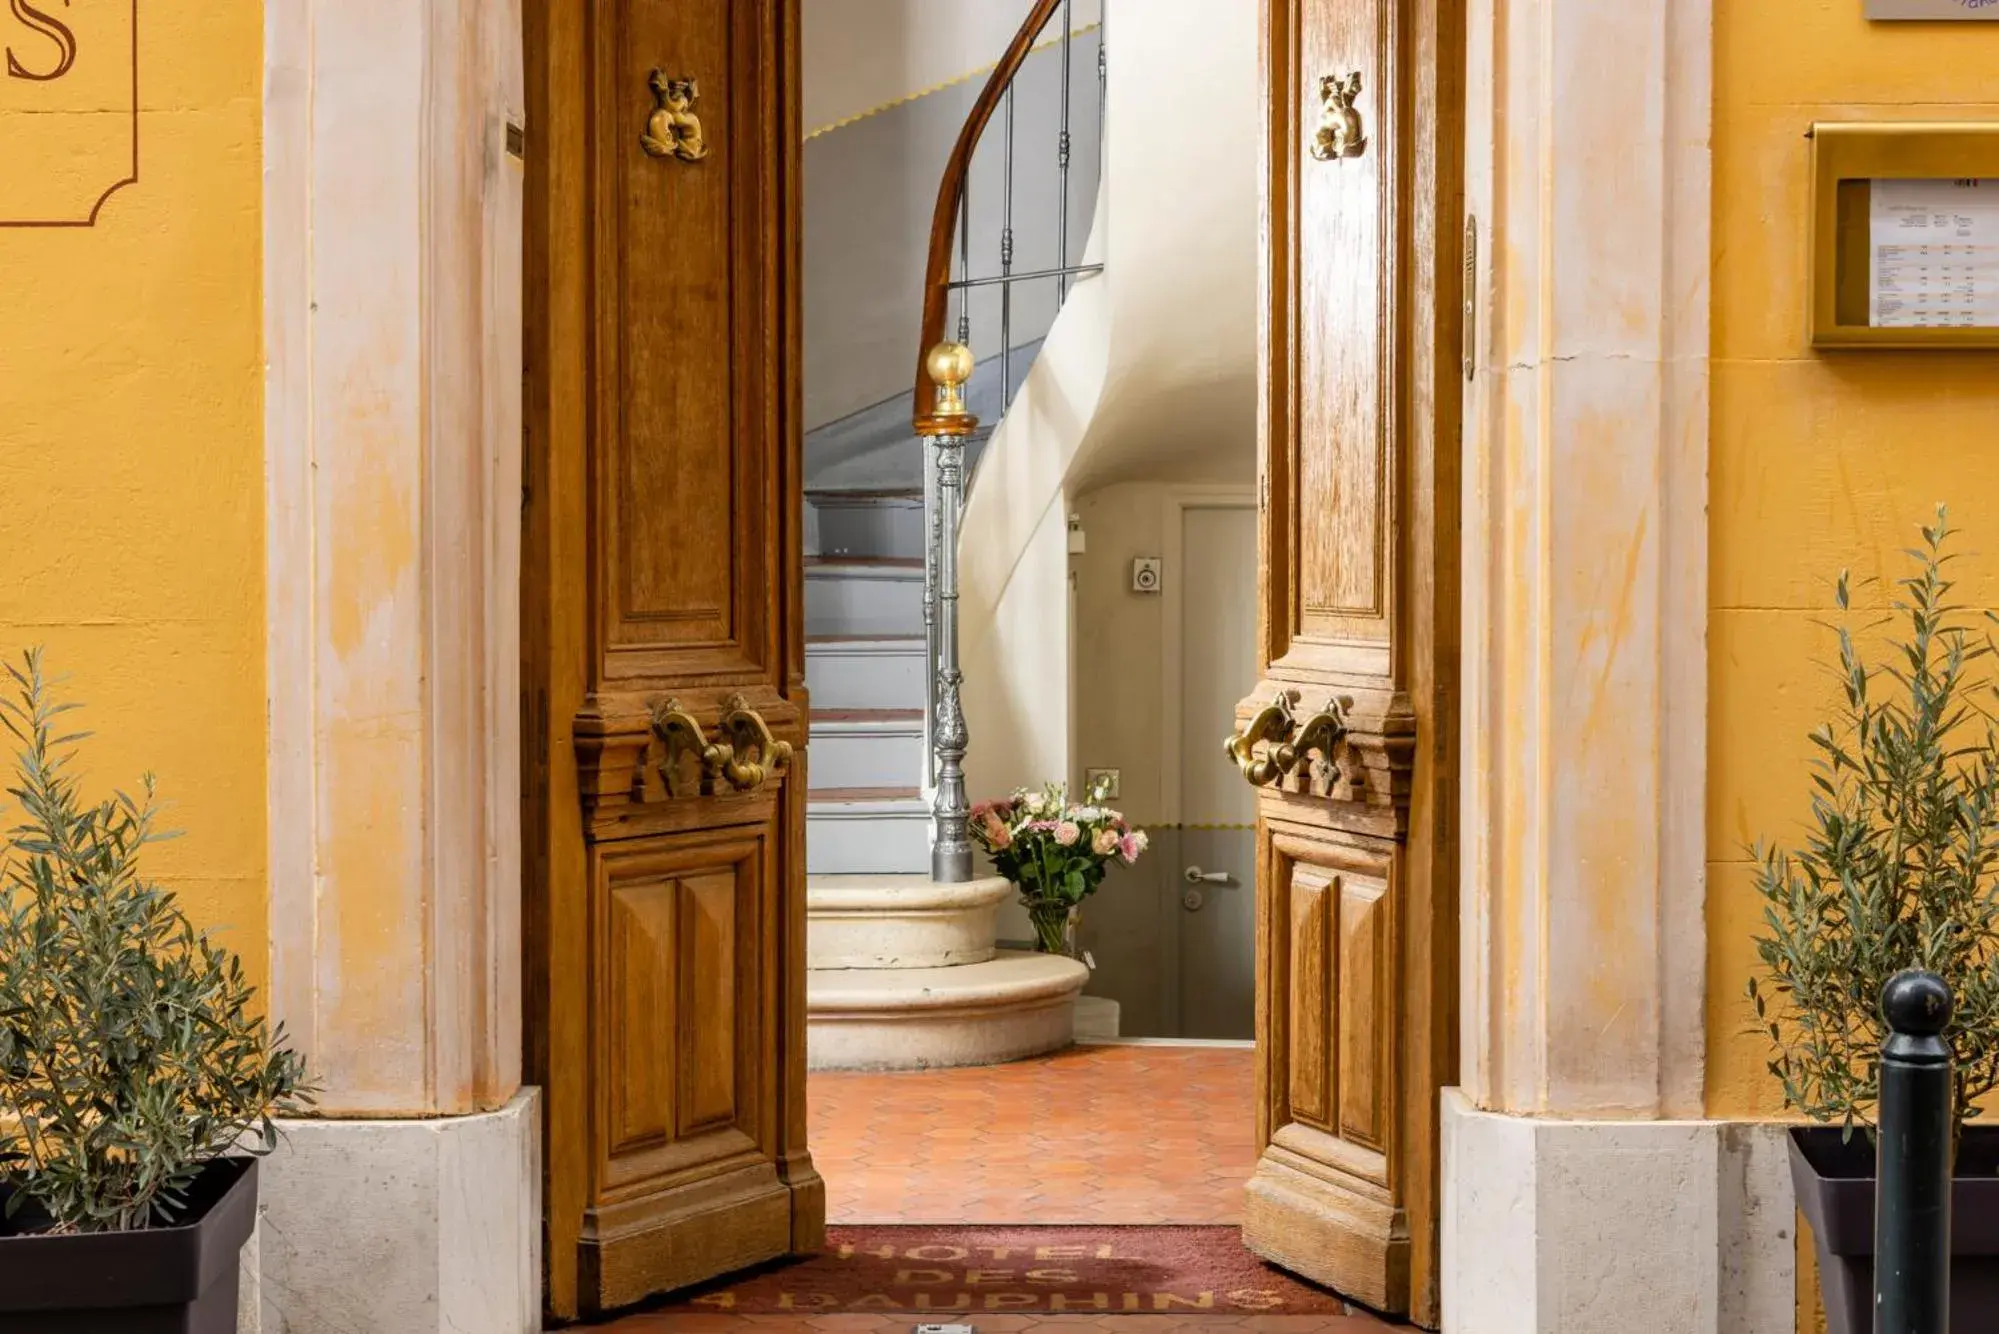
1351 735
663 644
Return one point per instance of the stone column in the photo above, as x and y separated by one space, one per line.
1585 1191
392 233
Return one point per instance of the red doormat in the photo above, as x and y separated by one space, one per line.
1077 1270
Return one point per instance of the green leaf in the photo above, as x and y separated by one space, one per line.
1896 864
131 1052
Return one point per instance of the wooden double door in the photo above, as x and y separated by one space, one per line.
1350 737
663 647
663 644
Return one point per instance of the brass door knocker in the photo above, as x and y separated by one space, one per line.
1341 134
680 732
1271 724
756 756
674 130
1322 732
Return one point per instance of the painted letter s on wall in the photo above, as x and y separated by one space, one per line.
51 27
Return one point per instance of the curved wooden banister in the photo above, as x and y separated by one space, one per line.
950 191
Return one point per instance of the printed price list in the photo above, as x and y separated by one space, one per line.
1934 247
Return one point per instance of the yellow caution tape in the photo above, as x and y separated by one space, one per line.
845 121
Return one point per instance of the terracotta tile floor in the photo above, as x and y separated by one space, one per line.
1092 1135
1113 1135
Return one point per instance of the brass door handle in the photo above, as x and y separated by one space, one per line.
1290 740
1322 732
1271 724
755 756
1341 133
673 130
742 757
680 732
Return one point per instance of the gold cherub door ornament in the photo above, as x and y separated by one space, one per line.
674 130
1340 132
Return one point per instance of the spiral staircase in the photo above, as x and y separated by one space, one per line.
906 970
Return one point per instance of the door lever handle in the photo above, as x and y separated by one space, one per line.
1194 875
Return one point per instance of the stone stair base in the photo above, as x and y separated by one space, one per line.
899 921
1014 1006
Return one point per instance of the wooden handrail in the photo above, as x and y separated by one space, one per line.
943 222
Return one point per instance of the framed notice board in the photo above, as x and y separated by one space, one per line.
1945 10
1905 235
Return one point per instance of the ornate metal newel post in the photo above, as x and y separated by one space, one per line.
930 537
949 366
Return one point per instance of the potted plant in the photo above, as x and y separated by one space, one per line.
1896 870
1055 853
136 1083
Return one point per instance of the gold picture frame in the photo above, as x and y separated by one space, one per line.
1847 158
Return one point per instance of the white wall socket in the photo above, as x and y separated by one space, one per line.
1145 575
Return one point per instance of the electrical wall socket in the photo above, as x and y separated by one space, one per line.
1145 574
1113 780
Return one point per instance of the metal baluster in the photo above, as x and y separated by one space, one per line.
965 260
1103 88
1006 262
1062 157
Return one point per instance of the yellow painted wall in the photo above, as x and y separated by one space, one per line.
1818 462
131 442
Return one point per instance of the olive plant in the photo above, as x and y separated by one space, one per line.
1898 861
130 1054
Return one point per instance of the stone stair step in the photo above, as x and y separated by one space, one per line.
867 523
866 671
900 921
1014 1006
866 747
866 831
873 596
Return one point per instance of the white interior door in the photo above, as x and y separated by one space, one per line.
1216 919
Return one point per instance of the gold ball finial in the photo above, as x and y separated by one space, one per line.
950 363
949 366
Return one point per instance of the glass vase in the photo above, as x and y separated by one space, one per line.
1053 933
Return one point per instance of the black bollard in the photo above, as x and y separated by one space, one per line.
1912 1162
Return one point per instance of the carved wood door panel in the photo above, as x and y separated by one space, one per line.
664 644
1350 736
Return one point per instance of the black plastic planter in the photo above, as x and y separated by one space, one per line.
1835 1187
170 1280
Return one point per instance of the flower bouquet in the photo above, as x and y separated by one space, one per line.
1055 853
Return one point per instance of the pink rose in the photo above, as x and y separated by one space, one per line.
1067 833
1105 843
1131 845
1002 837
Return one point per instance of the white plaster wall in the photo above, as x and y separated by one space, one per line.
1149 371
